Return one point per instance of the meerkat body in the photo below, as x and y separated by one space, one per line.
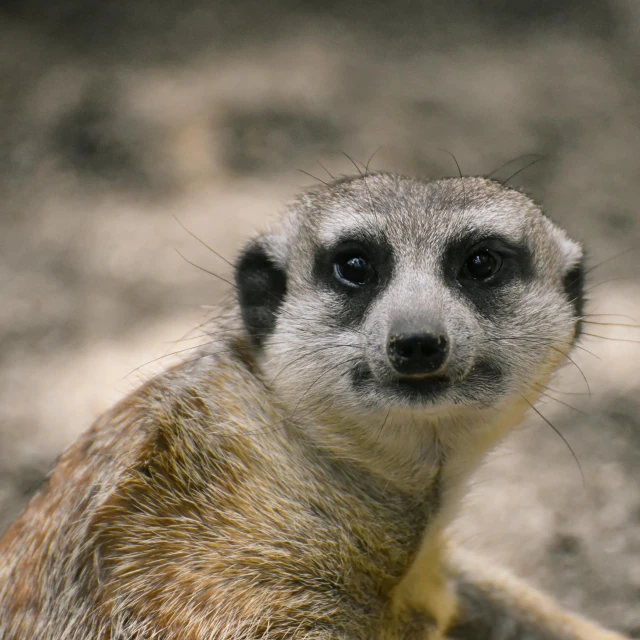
294 478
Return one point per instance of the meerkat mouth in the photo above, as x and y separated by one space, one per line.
418 389
432 390
423 385
423 390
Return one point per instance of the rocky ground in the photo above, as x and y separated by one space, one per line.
116 117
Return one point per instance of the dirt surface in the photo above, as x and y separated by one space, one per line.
116 117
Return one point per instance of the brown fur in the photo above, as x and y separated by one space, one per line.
201 508
166 520
167 512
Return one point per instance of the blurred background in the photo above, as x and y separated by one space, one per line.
117 117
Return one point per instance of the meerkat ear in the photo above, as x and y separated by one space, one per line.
573 279
574 287
262 284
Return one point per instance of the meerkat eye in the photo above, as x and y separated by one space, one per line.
353 270
482 264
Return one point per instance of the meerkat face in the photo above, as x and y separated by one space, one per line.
389 293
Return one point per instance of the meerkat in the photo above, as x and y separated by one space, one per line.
295 478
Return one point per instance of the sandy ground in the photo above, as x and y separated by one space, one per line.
115 119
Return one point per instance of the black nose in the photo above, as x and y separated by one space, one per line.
418 353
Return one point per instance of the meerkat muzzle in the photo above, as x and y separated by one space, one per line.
418 353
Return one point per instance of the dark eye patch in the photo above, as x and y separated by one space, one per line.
515 257
481 266
356 269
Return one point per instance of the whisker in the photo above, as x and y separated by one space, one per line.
186 336
617 279
222 338
174 353
200 336
503 185
202 242
564 393
211 273
506 164
352 161
309 354
526 166
326 184
366 184
301 417
539 341
611 324
575 365
551 347
327 170
464 191
593 335
611 315
615 257
324 373
566 404
183 363
366 167
579 346
575 457
230 331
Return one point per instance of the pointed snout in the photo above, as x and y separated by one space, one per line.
418 343
417 354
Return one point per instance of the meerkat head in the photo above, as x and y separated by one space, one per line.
390 294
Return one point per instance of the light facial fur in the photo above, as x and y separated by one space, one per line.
294 479
325 346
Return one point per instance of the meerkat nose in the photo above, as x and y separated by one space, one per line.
417 353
